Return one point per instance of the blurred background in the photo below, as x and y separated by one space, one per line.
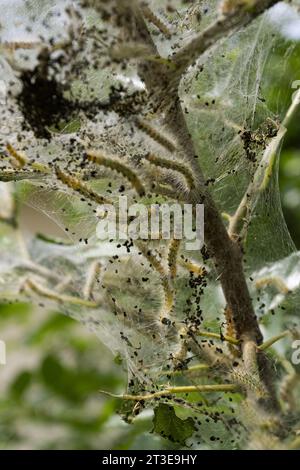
49 389
289 179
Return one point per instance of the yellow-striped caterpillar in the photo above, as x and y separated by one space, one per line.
155 134
179 167
272 281
130 51
77 185
230 331
168 291
92 276
19 157
108 162
11 46
192 266
229 7
152 18
248 380
172 257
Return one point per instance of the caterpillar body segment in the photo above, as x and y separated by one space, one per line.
173 165
192 266
77 185
231 332
157 136
92 277
273 281
168 291
156 21
113 164
172 257
248 381
19 157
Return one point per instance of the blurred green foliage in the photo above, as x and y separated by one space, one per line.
281 86
290 180
49 392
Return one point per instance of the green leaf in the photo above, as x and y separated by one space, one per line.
73 384
19 311
169 426
21 384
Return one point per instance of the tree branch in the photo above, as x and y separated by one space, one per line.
162 83
239 17
263 173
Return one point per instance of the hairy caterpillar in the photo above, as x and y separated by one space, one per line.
9 174
181 168
229 7
272 281
128 173
11 46
288 385
172 257
92 276
230 331
192 267
130 50
248 380
155 134
77 185
20 157
165 282
180 356
169 300
152 18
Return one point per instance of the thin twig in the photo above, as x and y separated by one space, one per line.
223 26
52 295
263 173
176 390
267 344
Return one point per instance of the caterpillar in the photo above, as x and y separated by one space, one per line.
180 355
20 157
288 385
92 276
230 331
130 51
248 380
128 173
192 267
273 281
169 300
11 46
77 185
152 18
9 174
172 257
155 134
229 7
165 282
179 167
